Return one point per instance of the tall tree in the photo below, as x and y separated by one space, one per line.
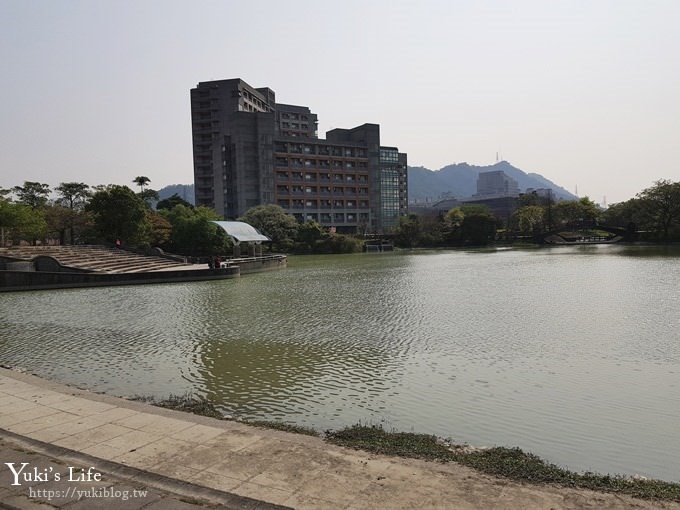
408 231
530 219
141 181
19 221
193 233
33 194
661 205
170 202
73 196
120 214
273 222
479 224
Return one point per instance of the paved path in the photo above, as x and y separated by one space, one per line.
185 461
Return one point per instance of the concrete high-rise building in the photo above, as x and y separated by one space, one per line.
250 150
496 183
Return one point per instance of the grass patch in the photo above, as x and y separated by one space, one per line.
377 440
188 403
286 427
511 463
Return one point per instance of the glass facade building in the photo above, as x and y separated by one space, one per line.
393 187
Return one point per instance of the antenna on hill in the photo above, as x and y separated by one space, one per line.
576 190
604 201
496 156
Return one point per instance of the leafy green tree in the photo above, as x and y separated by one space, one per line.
7 218
193 233
623 214
149 195
530 219
58 220
660 206
575 213
73 196
313 238
272 221
33 194
21 222
120 214
172 201
408 231
479 224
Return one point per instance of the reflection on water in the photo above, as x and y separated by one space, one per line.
569 352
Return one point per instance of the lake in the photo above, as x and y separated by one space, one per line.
572 353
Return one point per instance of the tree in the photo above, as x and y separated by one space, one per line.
58 220
73 196
149 195
19 221
575 213
530 219
479 224
141 181
660 205
193 233
628 214
272 221
33 194
408 231
161 229
173 201
120 214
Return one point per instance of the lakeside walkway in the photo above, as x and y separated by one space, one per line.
186 461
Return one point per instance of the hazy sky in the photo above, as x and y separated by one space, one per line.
586 93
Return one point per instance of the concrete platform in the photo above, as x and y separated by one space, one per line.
182 459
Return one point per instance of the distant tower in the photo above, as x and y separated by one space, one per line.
604 202
576 190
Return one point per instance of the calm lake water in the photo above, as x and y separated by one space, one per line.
572 353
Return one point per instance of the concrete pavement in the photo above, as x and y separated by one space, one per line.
183 459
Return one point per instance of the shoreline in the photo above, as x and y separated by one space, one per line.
500 465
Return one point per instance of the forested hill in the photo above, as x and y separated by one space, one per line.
460 180
185 192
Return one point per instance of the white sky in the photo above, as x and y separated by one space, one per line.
584 92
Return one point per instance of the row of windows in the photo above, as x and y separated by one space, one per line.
320 190
294 116
389 156
323 150
334 218
321 177
295 125
318 163
322 204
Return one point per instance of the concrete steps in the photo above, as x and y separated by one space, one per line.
93 258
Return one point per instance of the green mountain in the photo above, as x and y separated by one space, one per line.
185 192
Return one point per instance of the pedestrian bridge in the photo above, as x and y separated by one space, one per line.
581 235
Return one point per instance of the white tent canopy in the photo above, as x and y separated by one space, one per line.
241 232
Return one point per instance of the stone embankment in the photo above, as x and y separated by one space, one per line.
211 461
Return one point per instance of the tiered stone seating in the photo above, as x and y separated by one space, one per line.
94 258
